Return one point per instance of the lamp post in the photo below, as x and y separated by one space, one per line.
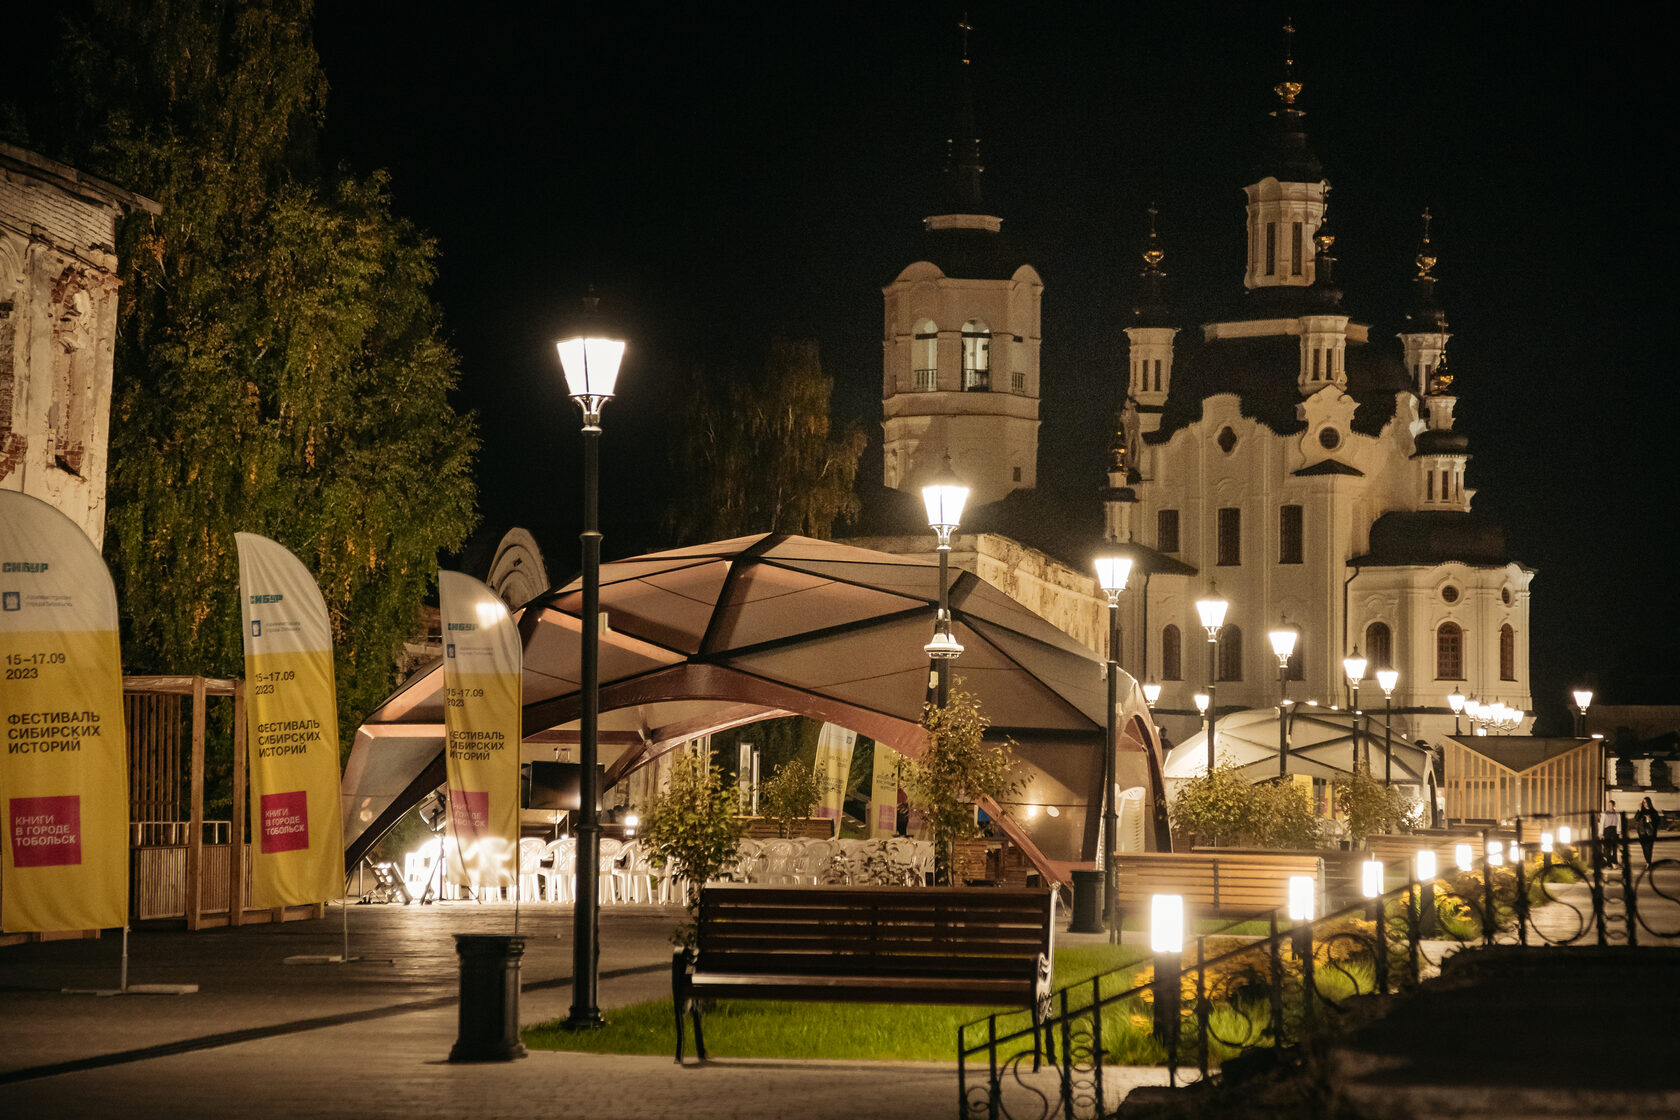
1353 666
1151 693
944 498
1583 700
590 359
1388 678
1113 570
1283 644
1211 610
1455 701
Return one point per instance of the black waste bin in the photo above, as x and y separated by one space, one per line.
489 1024
1087 902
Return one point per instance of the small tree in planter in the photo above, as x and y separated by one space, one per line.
1371 808
956 771
692 826
789 795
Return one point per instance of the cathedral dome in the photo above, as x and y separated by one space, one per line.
1430 537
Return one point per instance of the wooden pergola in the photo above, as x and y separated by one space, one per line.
1499 777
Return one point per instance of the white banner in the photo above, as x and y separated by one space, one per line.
833 768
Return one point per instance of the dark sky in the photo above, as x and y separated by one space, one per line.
727 173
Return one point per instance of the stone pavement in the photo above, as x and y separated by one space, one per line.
262 1038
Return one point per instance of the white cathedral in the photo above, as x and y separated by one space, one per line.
1284 456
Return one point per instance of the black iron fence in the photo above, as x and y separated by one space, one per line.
1269 981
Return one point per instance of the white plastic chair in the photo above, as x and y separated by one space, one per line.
610 849
556 878
418 865
778 863
1128 832
632 874
749 862
531 852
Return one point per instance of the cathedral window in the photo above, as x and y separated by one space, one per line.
1449 652
1507 653
1295 251
1379 646
1157 375
1429 486
1017 477
1166 530
1230 537
1329 439
1227 440
1289 534
924 357
1271 248
1018 381
1172 654
1230 653
1449 594
1315 363
976 355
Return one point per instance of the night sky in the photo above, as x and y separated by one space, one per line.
729 173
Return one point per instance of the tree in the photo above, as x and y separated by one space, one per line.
957 770
692 826
1223 809
755 453
1370 807
280 368
789 795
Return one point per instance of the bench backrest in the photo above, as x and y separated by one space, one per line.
874 930
1220 881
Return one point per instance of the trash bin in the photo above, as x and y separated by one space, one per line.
489 1022
1087 902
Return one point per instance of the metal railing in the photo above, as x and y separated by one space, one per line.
1232 992
925 380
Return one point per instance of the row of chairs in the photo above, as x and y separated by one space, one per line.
895 860
548 872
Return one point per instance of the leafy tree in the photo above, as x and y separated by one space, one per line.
958 769
1370 807
754 452
1223 809
280 367
789 795
692 826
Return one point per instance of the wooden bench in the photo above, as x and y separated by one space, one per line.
1220 882
944 945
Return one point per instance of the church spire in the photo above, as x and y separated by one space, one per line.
1426 334
963 167
1151 309
1285 155
1426 314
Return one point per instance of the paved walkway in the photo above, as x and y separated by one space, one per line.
262 1038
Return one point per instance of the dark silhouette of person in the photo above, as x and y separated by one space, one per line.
1645 825
1609 828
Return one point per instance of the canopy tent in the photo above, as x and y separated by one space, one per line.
1321 742
701 639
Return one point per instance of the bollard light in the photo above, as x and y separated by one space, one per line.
1546 842
1426 865
1371 878
1301 892
1495 854
1166 923
1515 853
1464 855
1565 835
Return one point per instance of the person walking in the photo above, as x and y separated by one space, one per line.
1645 825
1609 830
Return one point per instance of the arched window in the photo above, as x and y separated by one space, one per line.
977 355
1230 653
1507 653
924 357
1172 654
1379 647
1449 652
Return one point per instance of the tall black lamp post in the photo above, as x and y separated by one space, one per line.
1283 645
1113 570
1388 678
590 360
1354 666
1211 610
944 498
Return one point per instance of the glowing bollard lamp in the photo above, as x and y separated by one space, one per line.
1424 868
1371 886
1303 895
1166 943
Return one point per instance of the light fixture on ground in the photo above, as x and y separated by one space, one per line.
1353 665
1166 942
944 499
1371 886
1424 867
1211 610
1113 569
1303 892
1465 856
1583 698
1387 679
590 358
1283 645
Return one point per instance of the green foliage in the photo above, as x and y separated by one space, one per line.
958 769
789 795
754 452
1371 808
280 367
692 825
1221 809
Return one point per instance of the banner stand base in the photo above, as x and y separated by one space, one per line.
309 959
136 990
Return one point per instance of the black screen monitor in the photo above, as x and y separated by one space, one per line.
557 786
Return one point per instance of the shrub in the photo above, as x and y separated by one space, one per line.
957 770
1370 807
1223 809
789 795
692 825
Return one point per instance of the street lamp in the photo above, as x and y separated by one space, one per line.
1583 701
1354 666
1388 678
944 498
1211 610
1113 569
590 358
1151 693
1283 644
1455 701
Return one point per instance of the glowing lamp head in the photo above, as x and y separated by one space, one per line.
1455 701
1546 842
1354 666
1201 700
1515 854
1387 679
1473 708
1166 923
1371 878
1211 610
590 357
1113 570
1583 699
1425 865
944 499
1565 834
1495 854
1283 643
1301 898
1464 855
1151 693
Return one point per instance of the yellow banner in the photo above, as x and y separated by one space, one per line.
64 770
833 769
297 821
883 802
482 692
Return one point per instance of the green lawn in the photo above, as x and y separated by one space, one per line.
756 1029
